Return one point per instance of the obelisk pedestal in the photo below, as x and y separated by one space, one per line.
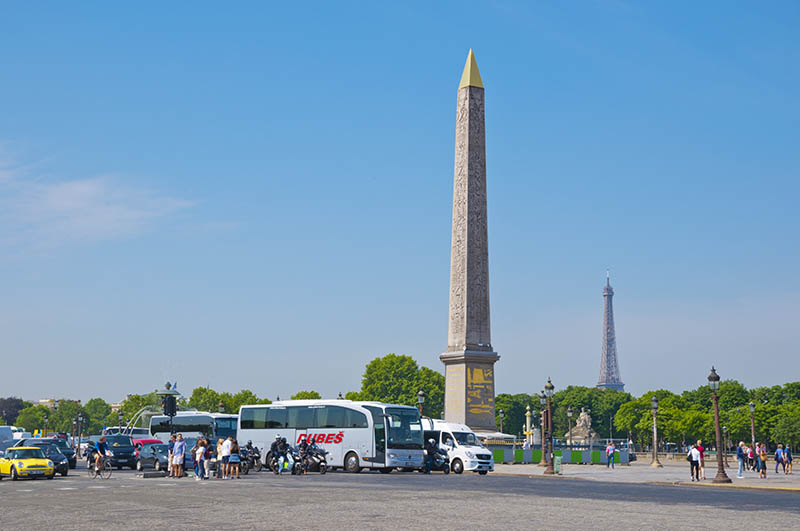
469 360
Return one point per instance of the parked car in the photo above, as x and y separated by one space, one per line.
153 455
61 444
25 462
121 447
51 452
67 450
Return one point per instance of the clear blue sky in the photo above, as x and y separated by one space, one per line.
199 191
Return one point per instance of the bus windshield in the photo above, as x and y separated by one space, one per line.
405 429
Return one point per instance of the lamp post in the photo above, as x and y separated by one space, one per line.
654 462
569 426
45 426
548 391
501 414
121 417
543 402
752 407
713 384
725 444
74 427
420 400
80 430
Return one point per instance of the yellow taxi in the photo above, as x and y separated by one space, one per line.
26 462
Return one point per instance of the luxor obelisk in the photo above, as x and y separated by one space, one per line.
469 360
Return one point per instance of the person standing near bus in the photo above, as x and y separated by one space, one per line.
178 455
226 455
169 454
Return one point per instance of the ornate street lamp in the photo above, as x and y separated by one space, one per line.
502 415
121 417
752 407
654 462
74 427
548 391
420 400
221 406
543 402
713 384
569 426
340 397
45 425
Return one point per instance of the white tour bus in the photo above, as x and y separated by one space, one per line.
356 434
194 424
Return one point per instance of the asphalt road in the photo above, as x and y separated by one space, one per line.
374 501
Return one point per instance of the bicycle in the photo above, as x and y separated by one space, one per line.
105 469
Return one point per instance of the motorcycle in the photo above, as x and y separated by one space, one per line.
440 463
291 462
316 460
253 458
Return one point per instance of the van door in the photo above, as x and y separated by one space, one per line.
379 434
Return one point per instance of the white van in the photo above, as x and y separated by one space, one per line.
463 448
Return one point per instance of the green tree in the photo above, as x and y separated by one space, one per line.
397 380
61 419
134 403
96 410
204 399
32 418
787 427
10 408
514 409
306 395
353 395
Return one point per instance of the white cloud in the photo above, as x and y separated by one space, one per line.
39 212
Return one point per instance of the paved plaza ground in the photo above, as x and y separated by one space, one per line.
674 472
394 501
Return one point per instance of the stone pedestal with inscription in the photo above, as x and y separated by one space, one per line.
469 360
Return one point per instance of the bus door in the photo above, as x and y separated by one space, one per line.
379 432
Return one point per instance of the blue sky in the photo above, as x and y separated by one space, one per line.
200 192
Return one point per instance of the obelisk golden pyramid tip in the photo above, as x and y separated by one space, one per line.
471 76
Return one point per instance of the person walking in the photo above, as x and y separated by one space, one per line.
199 461
740 453
762 460
610 455
234 460
787 458
779 459
694 463
178 456
169 453
207 459
702 458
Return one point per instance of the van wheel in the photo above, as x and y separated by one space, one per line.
483 472
351 463
386 470
457 466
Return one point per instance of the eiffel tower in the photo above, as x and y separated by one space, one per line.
609 368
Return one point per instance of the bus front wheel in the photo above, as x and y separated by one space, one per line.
351 463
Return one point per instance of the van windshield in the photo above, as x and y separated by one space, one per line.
466 438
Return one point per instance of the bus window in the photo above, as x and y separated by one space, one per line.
330 417
226 428
355 419
301 417
254 418
277 418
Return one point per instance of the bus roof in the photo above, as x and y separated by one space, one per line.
328 402
193 412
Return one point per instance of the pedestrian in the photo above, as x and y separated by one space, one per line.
199 460
226 454
178 455
753 459
234 460
220 474
762 460
779 459
169 454
526 445
702 458
740 456
694 462
610 455
787 456
207 459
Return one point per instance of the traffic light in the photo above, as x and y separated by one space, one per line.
171 406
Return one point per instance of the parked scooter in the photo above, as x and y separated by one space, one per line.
316 460
440 463
253 458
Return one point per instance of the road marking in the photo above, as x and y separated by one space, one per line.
67 488
24 490
98 487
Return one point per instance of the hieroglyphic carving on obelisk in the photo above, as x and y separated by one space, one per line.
469 360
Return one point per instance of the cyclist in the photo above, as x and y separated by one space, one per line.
100 451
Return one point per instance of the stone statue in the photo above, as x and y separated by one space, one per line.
582 432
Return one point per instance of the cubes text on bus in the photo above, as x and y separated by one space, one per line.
322 438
